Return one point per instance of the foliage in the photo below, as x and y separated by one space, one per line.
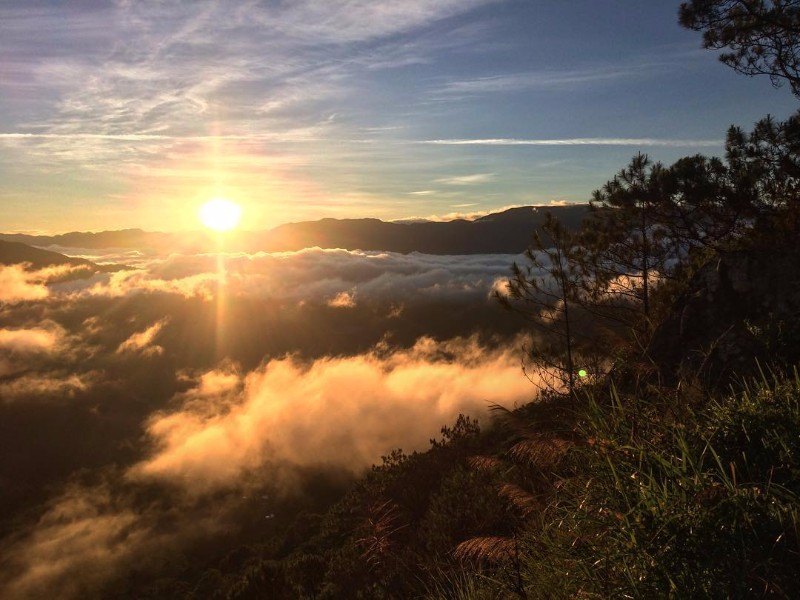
626 240
762 36
545 290
765 165
679 503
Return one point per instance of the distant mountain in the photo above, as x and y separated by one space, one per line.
506 232
123 238
16 252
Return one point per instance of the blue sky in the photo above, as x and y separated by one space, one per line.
133 113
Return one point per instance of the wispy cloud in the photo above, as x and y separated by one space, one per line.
142 341
244 99
32 386
198 73
474 179
467 216
296 110
564 78
512 82
674 143
143 137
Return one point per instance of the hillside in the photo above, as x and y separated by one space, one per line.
17 252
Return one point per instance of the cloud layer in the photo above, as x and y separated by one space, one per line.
338 277
17 284
338 411
167 396
230 431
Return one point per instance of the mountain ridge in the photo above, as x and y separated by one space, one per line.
504 232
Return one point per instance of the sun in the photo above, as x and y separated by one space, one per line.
220 214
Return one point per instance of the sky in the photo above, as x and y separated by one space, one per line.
133 113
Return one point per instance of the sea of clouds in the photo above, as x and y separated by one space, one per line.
212 375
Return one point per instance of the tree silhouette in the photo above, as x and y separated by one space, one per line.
626 241
703 207
547 290
766 162
762 36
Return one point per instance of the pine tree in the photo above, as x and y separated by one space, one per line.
762 37
547 291
627 244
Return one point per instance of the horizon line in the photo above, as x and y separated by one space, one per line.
398 220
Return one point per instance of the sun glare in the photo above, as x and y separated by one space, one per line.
220 214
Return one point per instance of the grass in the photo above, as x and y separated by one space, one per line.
669 495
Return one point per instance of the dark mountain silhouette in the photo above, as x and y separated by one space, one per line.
122 238
506 232
17 252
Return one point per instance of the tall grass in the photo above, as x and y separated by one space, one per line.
671 495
